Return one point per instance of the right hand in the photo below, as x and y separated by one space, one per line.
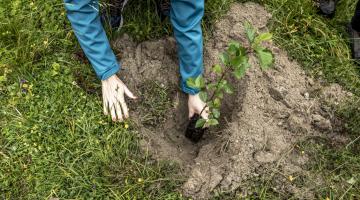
197 106
113 90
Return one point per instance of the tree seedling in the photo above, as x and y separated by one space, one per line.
234 62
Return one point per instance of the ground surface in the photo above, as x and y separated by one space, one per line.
269 113
56 143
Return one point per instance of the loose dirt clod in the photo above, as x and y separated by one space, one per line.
269 112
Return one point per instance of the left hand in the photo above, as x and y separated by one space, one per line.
114 91
196 105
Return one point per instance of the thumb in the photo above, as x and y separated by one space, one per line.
205 113
129 93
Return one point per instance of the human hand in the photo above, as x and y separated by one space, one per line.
196 105
113 90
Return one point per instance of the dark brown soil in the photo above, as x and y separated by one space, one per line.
192 133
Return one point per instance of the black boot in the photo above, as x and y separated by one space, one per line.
355 43
163 9
354 30
327 7
111 15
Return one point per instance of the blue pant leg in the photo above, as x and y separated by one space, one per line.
85 21
186 16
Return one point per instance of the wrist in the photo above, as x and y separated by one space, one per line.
192 96
112 77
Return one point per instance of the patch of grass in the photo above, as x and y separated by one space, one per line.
337 168
143 23
54 140
155 103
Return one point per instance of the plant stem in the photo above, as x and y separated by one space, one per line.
216 88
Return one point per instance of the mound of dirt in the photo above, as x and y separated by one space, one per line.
269 112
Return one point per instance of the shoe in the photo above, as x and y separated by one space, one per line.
112 14
354 37
327 7
163 8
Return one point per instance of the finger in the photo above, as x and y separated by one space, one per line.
124 109
106 108
113 113
205 113
118 112
105 104
129 93
120 98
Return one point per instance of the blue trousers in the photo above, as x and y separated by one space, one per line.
185 16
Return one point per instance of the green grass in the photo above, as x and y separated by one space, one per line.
155 103
55 142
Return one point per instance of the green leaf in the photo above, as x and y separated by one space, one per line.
228 89
200 123
210 104
200 82
203 96
219 94
250 32
240 71
234 44
216 113
217 103
222 84
55 66
212 122
190 82
233 48
263 37
242 51
224 57
54 72
217 69
266 58
236 61
211 86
